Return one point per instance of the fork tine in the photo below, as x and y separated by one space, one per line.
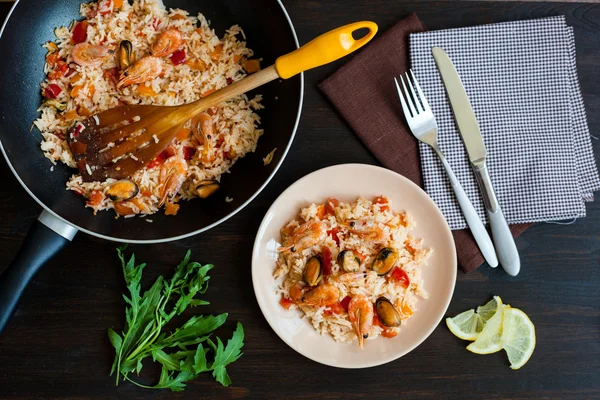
421 94
404 106
408 99
412 90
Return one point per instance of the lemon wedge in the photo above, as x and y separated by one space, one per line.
469 324
518 337
489 340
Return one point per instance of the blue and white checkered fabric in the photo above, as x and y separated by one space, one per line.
521 78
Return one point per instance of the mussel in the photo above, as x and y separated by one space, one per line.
125 54
312 271
348 261
60 106
123 190
206 188
387 313
385 260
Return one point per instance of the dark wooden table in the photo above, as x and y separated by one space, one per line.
56 345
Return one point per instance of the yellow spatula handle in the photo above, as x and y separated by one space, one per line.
324 49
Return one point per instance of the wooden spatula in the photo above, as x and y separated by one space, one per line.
118 142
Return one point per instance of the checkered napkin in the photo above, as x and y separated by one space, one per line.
522 81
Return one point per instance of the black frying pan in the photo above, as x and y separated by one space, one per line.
29 25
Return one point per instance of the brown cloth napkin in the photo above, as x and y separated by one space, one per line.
363 92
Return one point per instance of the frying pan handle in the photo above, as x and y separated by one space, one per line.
324 49
45 238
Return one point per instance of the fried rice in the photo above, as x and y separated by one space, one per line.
212 63
365 228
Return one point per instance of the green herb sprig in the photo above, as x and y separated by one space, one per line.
184 353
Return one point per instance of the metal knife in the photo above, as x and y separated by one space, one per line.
469 130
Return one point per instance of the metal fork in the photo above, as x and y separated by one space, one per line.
424 127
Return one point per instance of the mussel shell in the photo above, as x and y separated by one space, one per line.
123 190
125 54
348 261
387 313
312 271
206 188
385 261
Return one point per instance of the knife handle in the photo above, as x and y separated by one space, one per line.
475 225
503 238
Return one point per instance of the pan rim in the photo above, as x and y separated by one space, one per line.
198 231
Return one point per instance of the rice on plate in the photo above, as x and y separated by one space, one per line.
87 73
352 268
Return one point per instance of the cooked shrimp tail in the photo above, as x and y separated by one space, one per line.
360 312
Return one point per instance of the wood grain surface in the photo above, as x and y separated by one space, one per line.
56 345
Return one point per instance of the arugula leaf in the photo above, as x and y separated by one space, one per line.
228 355
200 360
193 330
146 316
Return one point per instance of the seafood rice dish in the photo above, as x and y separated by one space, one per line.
142 53
353 269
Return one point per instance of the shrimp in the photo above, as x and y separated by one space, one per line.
360 312
144 69
88 55
171 177
167 42
202 128
324 295
367 232
305 236
353 278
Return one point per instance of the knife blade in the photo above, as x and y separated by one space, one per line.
461 106
471 135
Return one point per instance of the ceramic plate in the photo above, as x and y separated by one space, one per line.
346 183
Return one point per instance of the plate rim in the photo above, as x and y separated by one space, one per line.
447 230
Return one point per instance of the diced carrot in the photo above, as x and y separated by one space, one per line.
198 31
251 66
70 115
320 211
197 65
145 90
52 46
171 209
92 89
296 293
388 333
217 52
75 77
117 4
183 134
406 310
76 89
145 192
95 198
237 58
208 92
177 17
